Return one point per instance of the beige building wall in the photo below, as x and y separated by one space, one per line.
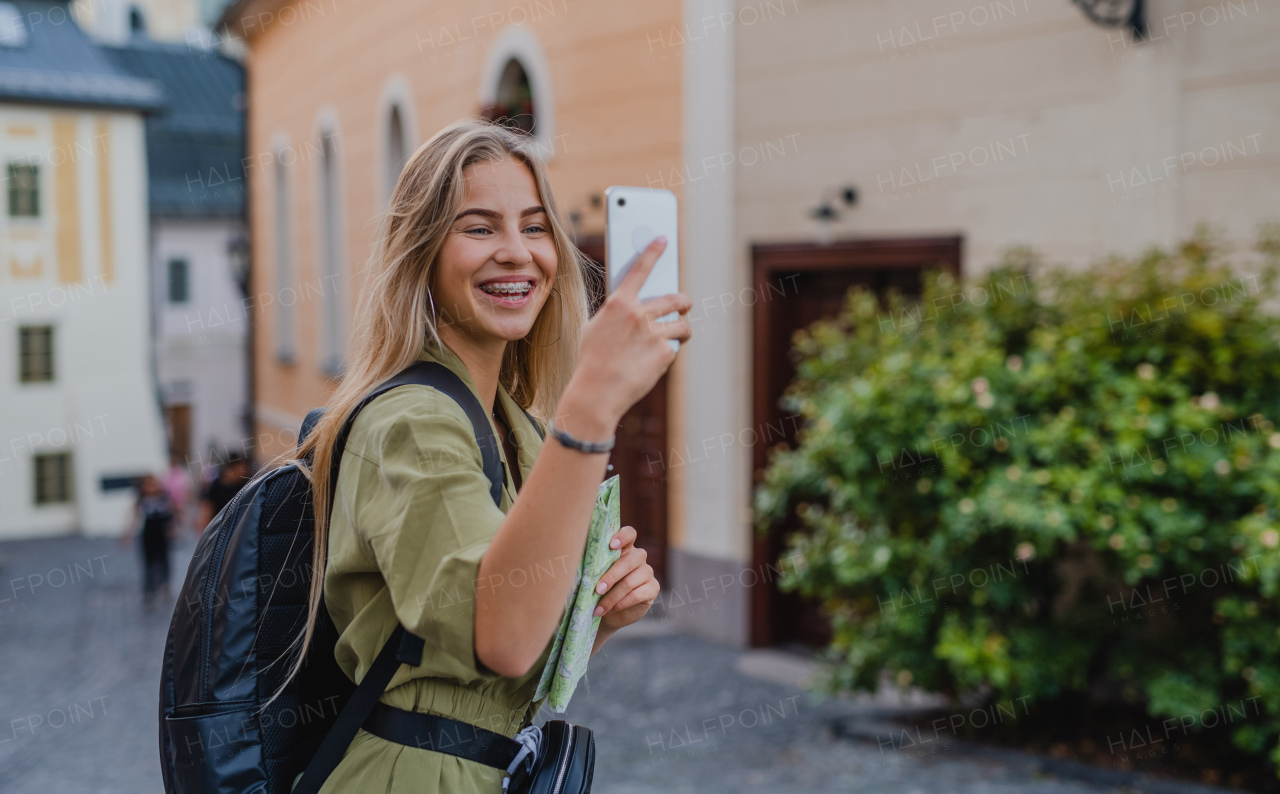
1012 121
1005 121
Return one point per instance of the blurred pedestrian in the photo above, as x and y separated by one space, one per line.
209 466
177 483
153 520
232 475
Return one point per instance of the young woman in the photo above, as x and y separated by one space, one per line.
474 270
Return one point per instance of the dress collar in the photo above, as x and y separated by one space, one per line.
528 442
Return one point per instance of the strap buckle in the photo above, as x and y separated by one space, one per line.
522 765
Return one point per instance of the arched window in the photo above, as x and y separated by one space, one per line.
286 291
330 289
513 102
396 149
137 22
516 87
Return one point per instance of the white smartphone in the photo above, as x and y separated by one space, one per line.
633 217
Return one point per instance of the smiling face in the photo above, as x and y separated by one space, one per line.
498 262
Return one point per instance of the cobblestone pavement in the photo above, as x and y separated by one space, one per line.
79 673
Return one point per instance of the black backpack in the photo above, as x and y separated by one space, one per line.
241 608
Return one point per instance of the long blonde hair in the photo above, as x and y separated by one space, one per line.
396 314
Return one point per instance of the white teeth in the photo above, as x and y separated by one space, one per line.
508 288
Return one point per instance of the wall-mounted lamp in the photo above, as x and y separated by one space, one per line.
827 212
824 212
1131 14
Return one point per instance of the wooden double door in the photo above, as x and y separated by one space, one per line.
804 282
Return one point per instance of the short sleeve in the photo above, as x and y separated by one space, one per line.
423 508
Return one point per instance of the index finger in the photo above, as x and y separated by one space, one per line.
624 537
641 266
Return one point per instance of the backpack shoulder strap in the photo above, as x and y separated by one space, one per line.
537 427
437 376
309 423
401 647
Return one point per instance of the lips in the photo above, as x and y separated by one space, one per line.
508 288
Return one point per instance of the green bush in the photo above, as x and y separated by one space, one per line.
1047 483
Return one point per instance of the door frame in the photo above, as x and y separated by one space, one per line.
769 261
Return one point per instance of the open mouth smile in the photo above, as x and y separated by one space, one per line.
508 291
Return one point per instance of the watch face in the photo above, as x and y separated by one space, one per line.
1111 13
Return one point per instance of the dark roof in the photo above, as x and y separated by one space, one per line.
59 64
195 146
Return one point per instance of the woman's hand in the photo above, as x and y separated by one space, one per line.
624 349
628 587
622 354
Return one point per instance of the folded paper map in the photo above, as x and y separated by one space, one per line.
571 648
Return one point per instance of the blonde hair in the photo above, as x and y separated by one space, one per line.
396 314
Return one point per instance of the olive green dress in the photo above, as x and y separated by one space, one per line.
410 522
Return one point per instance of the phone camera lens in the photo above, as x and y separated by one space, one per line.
622 202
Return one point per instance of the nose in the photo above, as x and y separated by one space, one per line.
513 250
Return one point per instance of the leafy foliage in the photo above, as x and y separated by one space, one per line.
1049 483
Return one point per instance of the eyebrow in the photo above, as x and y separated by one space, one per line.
495 215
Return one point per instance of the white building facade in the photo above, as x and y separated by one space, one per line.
81 418
201 335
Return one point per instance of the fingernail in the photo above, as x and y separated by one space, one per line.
600 588
615 543
661 239
599 611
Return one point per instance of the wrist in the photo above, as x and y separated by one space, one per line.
584 418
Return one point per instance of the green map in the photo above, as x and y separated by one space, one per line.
571 649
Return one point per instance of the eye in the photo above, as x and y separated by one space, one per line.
483 230
535 228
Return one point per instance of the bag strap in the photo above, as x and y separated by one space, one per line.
537 427
440 377
401 647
